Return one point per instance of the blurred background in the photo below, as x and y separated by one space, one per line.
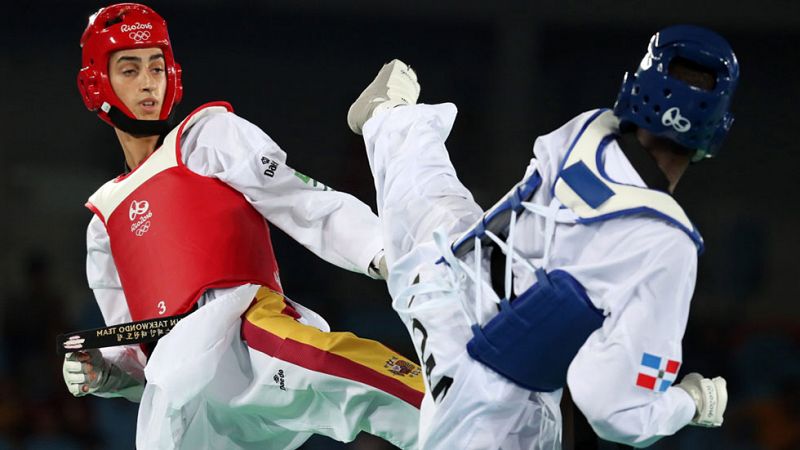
515 69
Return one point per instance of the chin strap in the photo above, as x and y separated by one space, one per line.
138 127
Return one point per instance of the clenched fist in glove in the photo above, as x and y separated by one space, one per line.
709 395
87 372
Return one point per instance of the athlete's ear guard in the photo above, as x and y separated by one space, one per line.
533 339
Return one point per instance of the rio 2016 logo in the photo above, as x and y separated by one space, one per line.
140 209
138 31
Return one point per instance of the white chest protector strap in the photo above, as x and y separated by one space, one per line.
584 188
531 339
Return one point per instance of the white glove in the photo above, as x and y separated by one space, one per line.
709 395
87 372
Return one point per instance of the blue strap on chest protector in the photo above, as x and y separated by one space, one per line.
533 339
497 217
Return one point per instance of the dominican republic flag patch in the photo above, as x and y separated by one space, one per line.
657 373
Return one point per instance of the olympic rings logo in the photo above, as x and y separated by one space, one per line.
673 118
144 228
139 35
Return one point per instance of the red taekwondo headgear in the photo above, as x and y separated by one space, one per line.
120 27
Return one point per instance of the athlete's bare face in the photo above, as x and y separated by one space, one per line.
139 80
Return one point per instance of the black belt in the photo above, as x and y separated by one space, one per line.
139 332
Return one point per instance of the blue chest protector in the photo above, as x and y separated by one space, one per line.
534 337
533 340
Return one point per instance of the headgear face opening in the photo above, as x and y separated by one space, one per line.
688 115
119 27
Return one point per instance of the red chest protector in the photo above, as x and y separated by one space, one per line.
174 234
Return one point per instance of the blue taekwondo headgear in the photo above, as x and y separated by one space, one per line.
671 108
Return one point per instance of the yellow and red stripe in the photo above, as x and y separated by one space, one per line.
270 328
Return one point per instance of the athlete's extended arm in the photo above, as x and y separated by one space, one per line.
622 377
334 225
